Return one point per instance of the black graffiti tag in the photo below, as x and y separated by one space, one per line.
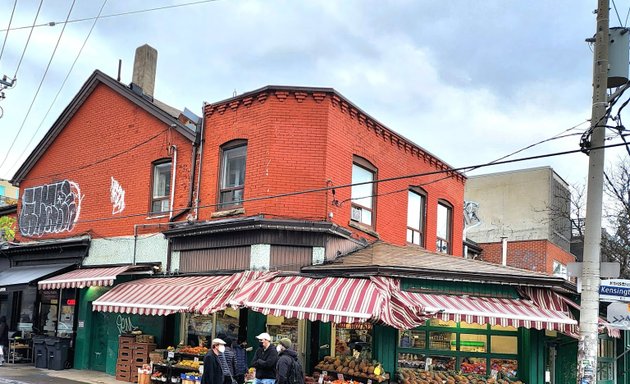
50 208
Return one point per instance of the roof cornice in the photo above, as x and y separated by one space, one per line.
86 90
319 94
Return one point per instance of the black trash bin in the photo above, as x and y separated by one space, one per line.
40 354
57 349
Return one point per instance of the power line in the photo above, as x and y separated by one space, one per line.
54 23
329 188
17 162
6 36
38 88
617 12
29 38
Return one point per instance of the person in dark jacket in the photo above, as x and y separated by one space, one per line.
265 360
287 358
241 360
212 372
227 359
4 338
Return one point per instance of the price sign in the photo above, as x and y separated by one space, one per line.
340 376
196 359
321 379
171 354
324 373
369 381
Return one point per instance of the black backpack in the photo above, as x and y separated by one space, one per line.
296 373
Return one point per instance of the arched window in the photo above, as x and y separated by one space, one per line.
232 173
363 196
161 186
416 216
444 226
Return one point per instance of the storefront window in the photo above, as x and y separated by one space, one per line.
411 360
65 328
472 343
443 341
606 360
227 324
412 339
48 312
281 327
27 305
353 340
441 363
470 364
504 344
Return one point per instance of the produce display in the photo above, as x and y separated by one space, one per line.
355 367
192 350
191 364
412 376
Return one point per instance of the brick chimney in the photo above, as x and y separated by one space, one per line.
144 67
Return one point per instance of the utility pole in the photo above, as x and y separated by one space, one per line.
589 314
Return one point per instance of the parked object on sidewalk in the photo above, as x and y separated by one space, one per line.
57 352
40 354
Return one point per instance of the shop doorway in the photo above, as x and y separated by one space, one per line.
98 342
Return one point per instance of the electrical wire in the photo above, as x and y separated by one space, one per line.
54 23
29 38
617 12
6 36
17 162
6 155
385 180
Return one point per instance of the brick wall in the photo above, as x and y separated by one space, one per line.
534 255
306 140
84 152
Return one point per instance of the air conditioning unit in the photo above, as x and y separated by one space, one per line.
356 213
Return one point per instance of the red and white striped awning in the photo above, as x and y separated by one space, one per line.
165 296
88 277
495 311
330 299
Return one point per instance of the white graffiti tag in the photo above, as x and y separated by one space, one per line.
50 208
124 324
117 197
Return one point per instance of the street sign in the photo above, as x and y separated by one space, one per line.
614 290
607 269
618 315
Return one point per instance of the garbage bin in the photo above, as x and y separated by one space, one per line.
57 349
40 355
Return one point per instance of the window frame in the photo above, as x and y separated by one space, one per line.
449 228
423 216
230 145
367 166
152 198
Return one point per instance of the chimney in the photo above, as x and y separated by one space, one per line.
144 66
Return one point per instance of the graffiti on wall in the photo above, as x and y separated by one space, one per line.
117 197
124 324
50 208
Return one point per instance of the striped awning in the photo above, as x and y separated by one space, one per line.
165 296
330 299
495 311
87 277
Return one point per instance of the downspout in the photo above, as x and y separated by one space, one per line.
135 242
192 181
201 141
173 148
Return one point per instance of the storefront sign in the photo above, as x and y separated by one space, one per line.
618 315
365 326
614 290
81 324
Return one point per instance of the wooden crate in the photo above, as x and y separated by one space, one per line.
125 354
144 347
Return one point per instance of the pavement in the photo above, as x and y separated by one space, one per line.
28 374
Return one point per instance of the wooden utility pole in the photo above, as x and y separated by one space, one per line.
589 313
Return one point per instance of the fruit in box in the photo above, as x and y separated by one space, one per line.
193 350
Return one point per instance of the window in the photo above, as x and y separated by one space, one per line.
416 206
444 219
560 270
160 200
362 209
232 182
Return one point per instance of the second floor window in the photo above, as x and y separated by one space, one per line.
232 182
444 220
362 210
161 189
416 206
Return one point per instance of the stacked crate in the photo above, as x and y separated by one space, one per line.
132 355
125 357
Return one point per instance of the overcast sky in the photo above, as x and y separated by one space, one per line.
469 81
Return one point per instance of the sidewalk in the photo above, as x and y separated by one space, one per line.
28 374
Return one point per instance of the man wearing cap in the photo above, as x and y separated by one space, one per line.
212 372
287 360
265 360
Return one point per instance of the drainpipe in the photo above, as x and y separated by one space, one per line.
135 242
504 251
173 149
192 181
201 141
